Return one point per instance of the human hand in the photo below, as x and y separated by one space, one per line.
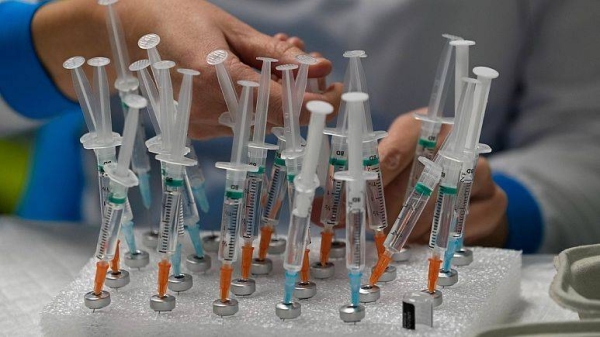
486 222
189 30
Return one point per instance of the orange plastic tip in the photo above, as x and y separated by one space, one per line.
326 239
226 271
247 251
379 239
101 269
163 276
265 240
114 263
433 273
382 263
305 271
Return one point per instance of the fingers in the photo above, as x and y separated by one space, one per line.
397 149
486 222
483 185
249 44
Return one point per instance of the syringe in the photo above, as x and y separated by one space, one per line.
174 128
410 213
451 158
455 252
355 179
233 202
334 189
127 83
305 185
271 200
121 178
431 123
257 156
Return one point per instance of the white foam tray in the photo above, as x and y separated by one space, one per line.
486 292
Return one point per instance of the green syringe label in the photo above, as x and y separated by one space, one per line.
337 162
447 190
233 194
115 200
422 189
372 160
426 143
173 182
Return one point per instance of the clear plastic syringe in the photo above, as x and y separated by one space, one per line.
451 157
472 151
257 156
410 213
334 189
355 179
293 152
173 163
431 123
127 83
233 202
305 185
216 58
121 178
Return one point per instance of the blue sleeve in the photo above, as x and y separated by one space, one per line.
525 224
22 75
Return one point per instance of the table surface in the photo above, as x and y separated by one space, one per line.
40 258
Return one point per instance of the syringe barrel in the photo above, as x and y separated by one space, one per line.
376 212
190 210
231 217
169 229
111 222
254 187
103 157
355 237
293 167
298 233
442 217
334 189
273 195
463 195
425 148
410 213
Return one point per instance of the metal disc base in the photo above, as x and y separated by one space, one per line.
93 301
150 239
338 250
197 264
179 283
261 267
117 280
165 303
352 314
319 271
137 259
241 287
228 308
277 246
462 257
437 297
304 290
369 293
446 279
402 256
210 243
288 310
388 275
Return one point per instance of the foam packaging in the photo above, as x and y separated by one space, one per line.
485 294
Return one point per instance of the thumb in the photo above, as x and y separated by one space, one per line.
249 44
